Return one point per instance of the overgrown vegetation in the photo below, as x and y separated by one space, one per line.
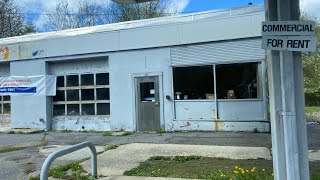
196 167
107 134
68 171
126 134
311 69
111 146
66 131
5 149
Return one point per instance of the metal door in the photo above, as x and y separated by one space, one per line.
148 103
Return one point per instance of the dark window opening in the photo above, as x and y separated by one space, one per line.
103 109
72 80
87 94
72 95
60 81
102 79
237 81
103 94
146 91
59 110
193 82
73 109
87 80
87 109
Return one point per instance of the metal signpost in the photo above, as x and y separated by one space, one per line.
283 35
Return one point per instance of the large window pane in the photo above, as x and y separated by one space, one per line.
87 94
72 95
59 96
87 109
237 81
102 79
0 108
72 80
193 82
103 94
59 110
60 81
73 109
6 108
103 109
87 80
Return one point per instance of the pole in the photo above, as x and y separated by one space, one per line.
288 100
273 63
300 103
285 75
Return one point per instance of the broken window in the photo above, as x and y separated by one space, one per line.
237 81
195 82
5 106
81 95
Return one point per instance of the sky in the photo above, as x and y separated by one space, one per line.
34 7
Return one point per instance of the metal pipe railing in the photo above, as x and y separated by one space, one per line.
47 163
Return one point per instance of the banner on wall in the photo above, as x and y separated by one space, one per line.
44 85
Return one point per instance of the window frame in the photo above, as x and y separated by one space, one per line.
2 103
214 67
80 102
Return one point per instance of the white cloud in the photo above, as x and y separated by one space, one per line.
311 7
34 7
178 5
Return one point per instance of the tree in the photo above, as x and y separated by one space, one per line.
11 20
311 69
90 14
153 9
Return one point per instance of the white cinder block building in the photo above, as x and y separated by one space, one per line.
203 71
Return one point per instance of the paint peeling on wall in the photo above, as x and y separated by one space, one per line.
186 125
4 52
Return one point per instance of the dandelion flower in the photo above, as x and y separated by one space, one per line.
236 172
247 171
263 169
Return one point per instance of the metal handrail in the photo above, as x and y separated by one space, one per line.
47 163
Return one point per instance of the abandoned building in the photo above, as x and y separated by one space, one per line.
201 71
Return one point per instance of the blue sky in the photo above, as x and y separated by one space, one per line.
35 7
204 5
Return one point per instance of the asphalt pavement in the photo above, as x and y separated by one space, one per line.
17 164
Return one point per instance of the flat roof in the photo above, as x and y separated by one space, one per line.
182 18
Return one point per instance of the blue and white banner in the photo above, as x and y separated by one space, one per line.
28 85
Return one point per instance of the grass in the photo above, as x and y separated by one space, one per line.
66 131
315 176
111 146
126 134
196 167
35 177
10 149
60 172
312 109
107 134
